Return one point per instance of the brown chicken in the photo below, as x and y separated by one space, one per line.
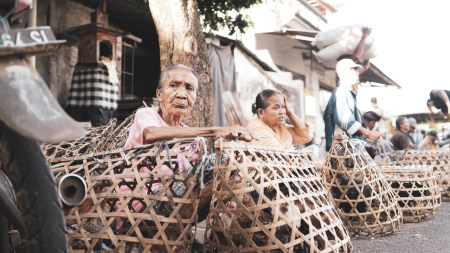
260 238
327 219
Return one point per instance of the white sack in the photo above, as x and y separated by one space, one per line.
331 36
329 55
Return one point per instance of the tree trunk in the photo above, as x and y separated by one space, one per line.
181 40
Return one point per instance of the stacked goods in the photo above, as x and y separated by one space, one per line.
440 161
415 189
270 200
342 41
363 197
97 139
142 197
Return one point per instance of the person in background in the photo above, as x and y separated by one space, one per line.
341 110
411 132
381 126
399 139
271 108
430 141
439 100
371 118
358 52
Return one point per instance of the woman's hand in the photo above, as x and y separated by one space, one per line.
288 110
233 132
295 120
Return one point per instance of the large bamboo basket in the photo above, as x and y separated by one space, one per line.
277 179
440 161
118 184
415 189
363 197
97 139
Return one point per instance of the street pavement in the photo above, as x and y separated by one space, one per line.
432 234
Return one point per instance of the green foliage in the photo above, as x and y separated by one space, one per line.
141 4
220 14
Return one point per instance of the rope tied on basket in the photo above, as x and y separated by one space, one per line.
158 151
359 145
127 162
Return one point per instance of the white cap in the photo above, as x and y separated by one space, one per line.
346 64
412 122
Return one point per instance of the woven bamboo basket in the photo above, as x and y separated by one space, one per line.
97 139
124 208
440 161
363 197
270 200
415 189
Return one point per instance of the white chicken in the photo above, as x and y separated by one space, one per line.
226 220
291 212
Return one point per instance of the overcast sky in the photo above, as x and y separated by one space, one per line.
412 38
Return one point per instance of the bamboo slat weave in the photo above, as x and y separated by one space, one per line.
440 161
364 199
271 200
123 188
97 139
415 189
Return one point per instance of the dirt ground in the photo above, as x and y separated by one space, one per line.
432 234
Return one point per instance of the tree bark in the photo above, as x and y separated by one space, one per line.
181 40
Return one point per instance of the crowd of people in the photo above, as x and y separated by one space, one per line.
177 94
342 114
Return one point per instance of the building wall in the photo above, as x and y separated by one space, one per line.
252 79
57 68
287 53
249 82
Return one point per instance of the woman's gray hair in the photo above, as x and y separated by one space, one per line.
174 66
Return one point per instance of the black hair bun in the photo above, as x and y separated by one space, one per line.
254 110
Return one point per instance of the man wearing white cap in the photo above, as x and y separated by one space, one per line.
341 111
411 133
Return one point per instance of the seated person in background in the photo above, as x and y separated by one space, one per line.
271 109
399 138
430 141
374 147
371 119
176 92
411 132
439 99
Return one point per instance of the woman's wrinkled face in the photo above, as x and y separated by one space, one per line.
275 113
179 91
405 126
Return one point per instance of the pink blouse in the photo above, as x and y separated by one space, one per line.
145 117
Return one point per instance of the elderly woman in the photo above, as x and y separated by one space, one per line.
270 126
400 139
176 92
